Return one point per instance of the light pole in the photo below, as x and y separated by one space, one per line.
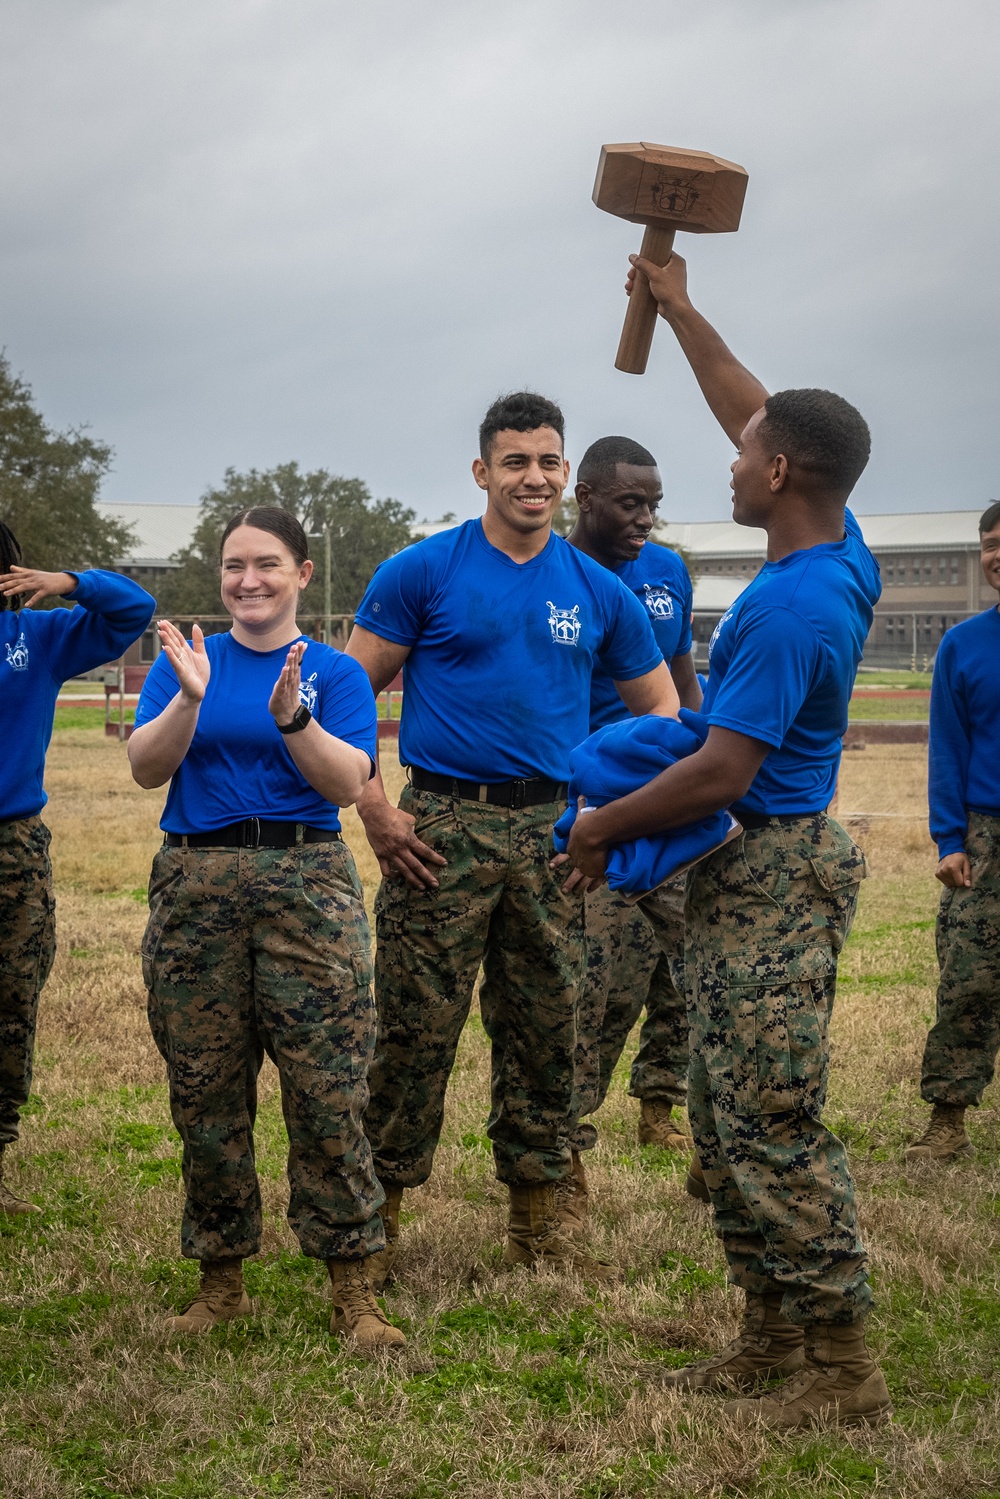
324 537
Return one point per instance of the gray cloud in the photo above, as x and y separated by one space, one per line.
243 231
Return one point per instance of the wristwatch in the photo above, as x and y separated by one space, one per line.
299 721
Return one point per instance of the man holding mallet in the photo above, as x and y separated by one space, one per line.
497 625
768 914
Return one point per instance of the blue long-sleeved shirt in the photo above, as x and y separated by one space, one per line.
964 771
39 650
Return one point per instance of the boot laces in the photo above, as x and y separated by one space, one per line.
942 1127
218 1284
356 1298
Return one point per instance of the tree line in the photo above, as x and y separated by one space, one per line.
50 482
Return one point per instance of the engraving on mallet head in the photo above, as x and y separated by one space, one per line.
666 189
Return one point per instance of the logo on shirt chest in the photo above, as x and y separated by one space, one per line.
564 624
658 601
17 655
308 693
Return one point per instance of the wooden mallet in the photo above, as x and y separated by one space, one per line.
665 189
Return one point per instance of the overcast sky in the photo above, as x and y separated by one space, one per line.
238 232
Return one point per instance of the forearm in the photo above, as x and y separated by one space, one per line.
337 770
653 693
156 749
732 392
682 794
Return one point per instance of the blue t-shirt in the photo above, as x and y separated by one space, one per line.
964 769
43 648
661 583
238 764
782 665
497 683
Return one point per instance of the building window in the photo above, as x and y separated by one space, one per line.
890 570
954 572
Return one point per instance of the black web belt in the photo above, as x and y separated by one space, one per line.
513 794
753 820
253 832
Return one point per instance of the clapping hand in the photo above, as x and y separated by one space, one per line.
39 585
190 662
285 701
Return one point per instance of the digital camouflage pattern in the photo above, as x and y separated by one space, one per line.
767 917
635 957
27 951
498 904
250 951
962 1045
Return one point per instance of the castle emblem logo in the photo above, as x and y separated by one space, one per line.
308 693
658 601
565 624
17 655
675 194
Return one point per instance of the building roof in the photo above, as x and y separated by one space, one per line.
932 530
159 530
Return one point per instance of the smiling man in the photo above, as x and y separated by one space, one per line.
632 959
497 625
768 914
964 792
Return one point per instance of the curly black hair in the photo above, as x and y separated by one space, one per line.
519 411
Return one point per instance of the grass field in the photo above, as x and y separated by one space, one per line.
512 1385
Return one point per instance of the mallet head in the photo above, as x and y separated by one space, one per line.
666 189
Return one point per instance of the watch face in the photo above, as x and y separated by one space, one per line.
302 716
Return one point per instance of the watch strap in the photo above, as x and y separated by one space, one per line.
301 717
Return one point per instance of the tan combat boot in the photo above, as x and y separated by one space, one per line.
696 1185
220 1298
657 1126
841 1384
379 1264
535 1236
573 1199
944 1139
356 1312
9 1203
767 1346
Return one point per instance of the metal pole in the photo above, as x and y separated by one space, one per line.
326 583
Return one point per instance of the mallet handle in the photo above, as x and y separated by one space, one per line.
640 319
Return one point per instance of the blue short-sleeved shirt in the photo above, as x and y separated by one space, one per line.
661 583
497 682
238 764
964 754
782 664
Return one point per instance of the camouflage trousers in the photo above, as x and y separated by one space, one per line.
27 951
260 950
501 906
635 957
766 918
962 1045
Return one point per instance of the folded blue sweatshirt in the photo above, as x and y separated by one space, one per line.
964 763
619 759
40 649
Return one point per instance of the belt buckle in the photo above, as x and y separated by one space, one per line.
517 791
251 832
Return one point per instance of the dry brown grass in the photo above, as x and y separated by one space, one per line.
512 1385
